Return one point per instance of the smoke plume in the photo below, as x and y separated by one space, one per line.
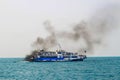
48 42
93 31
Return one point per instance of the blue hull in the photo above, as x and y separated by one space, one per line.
55 60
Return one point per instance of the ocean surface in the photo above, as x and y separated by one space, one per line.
93 68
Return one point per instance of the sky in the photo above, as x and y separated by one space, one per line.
21 22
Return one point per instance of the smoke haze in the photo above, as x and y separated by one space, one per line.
91 32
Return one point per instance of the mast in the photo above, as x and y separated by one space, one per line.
59 47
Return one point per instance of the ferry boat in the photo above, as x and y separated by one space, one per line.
54 56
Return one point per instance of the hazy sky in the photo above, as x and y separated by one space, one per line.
21 22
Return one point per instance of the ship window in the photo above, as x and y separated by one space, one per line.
59 52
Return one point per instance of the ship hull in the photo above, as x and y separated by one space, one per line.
56 59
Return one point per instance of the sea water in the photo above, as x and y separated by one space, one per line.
93 68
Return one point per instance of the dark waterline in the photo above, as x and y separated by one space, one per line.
93 68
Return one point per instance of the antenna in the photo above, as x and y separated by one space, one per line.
59 46
83 51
